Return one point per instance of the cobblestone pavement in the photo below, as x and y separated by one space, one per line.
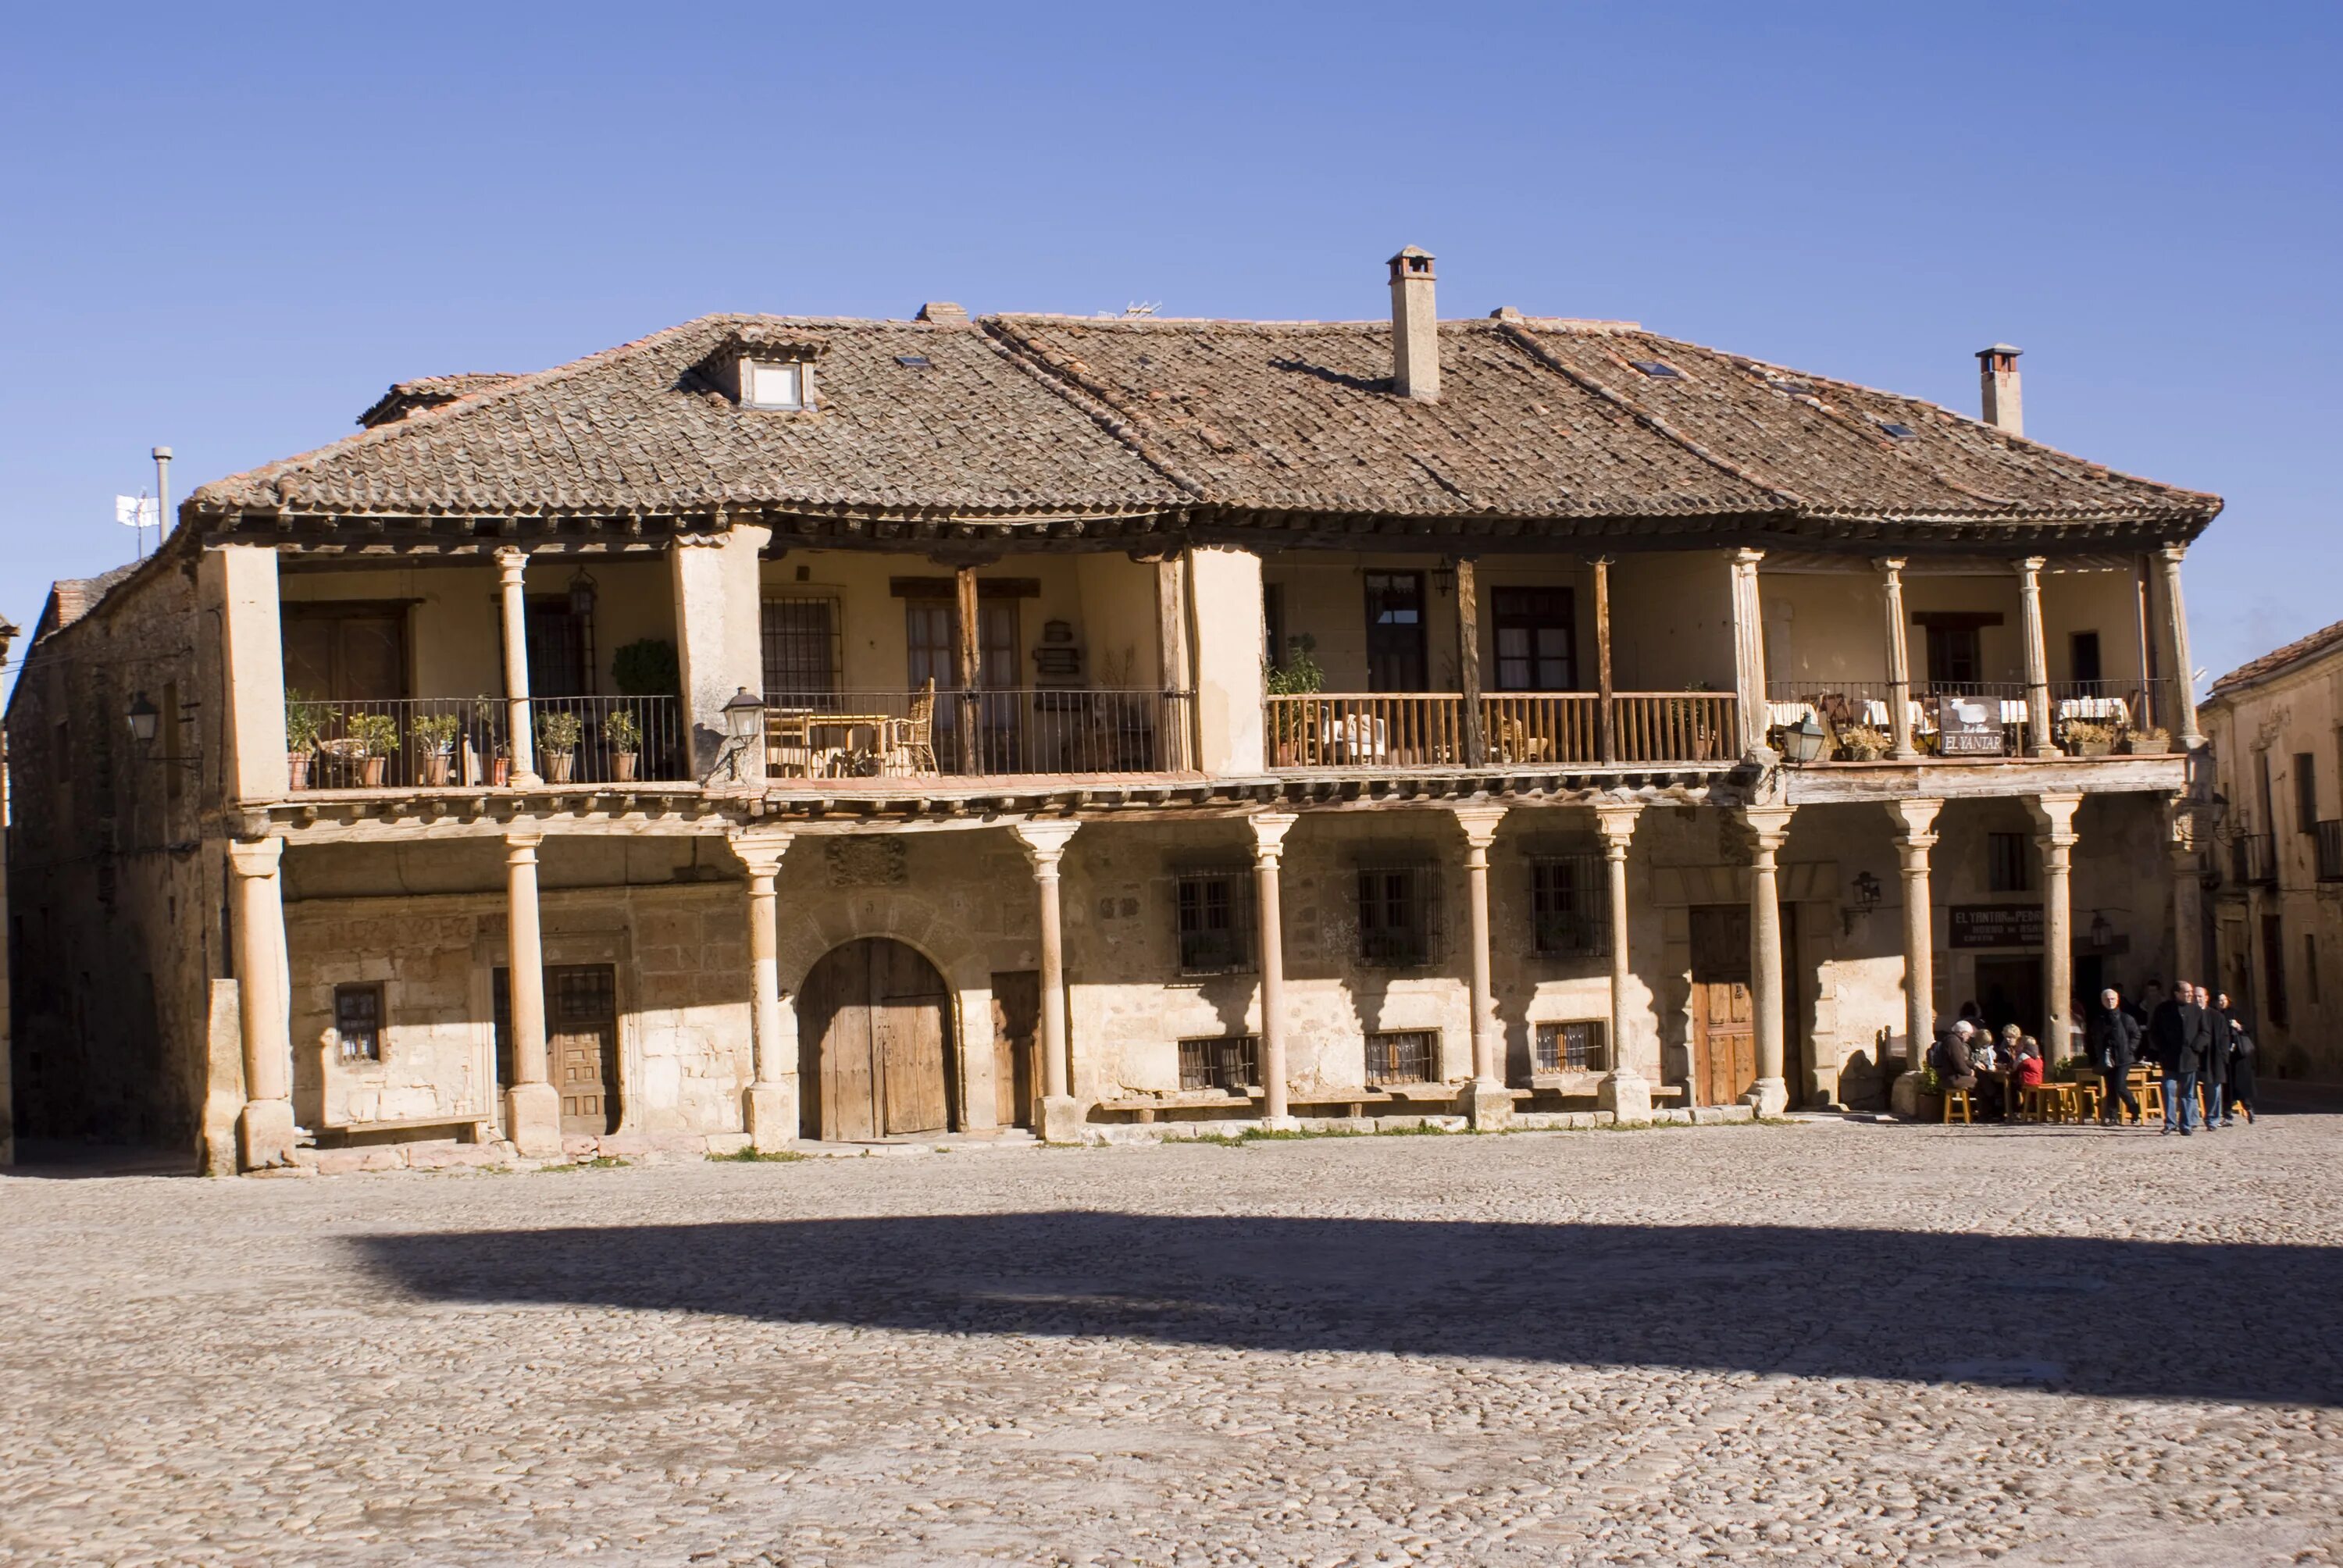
1823 1342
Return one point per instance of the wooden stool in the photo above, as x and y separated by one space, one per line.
2149 1092
1964 1095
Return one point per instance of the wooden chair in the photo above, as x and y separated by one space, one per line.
1963 1095
908 745
2149 1089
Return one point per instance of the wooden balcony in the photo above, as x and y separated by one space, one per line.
1407 731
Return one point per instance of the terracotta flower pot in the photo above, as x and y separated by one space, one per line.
297 769
499 772
622 767
370 771
559 765
436 767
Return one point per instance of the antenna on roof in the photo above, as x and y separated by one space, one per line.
1139 307
135 512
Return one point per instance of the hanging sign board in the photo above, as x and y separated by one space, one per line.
1997 925
1968 727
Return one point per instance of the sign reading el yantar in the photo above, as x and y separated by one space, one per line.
1968 727
1997 925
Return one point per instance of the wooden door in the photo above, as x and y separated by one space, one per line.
344 651
581 1042
1016 1035
1724 1015
871 1042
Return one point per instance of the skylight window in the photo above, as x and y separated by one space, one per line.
775 386
1657 369
1901 432
913 361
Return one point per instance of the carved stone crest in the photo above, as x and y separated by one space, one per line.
874 862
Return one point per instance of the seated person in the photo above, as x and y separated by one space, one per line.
2026 1073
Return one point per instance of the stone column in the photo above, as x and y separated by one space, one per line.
1624 1092
265 1135
2174 633
1488 1106
1748 648
532 1106
2054 815
1899 660
2037 656
237 584
769 1111
1224 595
1768 826
520 733
2188 959
719 647
1916 822
1269 831
1061 1110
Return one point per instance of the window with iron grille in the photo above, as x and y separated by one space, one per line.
1216 922
801 646
1570 905
1401 1056
2005 862
1227 1062
358 1022
1579 1045
1395 916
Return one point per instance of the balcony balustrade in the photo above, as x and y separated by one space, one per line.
1400 730
845 735
1987 718
463 742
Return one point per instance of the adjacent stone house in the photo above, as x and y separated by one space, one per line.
779 729
2276 732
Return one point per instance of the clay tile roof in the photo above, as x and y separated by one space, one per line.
2302 649
70 599
428 392
1539 418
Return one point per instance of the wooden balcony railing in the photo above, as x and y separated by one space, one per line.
1394 730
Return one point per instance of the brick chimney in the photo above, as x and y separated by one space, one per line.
1997 379
1415 329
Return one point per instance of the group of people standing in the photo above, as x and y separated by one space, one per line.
2199 1046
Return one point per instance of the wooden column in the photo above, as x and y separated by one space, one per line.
265 1129
1468 661
1916 822
1061 1111
1624 1090
770 1105
1487 1105
1604 717
2037 655
2055 816
1748 648
2174 626
1768 826
1269 831
1900 659
520 737
967 667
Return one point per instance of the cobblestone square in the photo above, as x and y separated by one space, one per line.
1820 1342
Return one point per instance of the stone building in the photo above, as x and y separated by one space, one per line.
777 727
2274 729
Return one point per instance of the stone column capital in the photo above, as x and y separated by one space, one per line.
1767 825
1915 817
256 856
1891 566
760 849
1268 831
2054 814
1044 843
521 845
2171 552
2029 566
512 563
1616 823
1745 558
1480 824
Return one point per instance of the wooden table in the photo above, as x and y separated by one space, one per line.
802 725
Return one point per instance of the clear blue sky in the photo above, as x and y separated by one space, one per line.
229 228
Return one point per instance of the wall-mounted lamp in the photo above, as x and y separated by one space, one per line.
2102 935
1861 899
142 716
1805 742
1443 577
582 594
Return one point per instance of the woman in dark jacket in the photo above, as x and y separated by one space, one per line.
2241 1061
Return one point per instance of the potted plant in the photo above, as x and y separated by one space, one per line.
2148 740
488 740
2087 739
624 731
1299 676
1863 743
557 735
435 736
305 722
374 736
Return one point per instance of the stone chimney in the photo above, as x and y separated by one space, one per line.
942 313
1415 329
1997 379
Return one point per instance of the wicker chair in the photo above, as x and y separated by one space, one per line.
908 745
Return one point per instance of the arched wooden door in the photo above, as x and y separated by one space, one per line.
870 1028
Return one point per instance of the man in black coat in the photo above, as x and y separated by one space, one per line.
2216 1077
2178 1031
2113 1041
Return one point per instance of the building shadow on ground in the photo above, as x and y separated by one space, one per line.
2152 1320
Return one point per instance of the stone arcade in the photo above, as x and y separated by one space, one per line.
779 729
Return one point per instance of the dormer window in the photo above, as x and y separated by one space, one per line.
773 384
